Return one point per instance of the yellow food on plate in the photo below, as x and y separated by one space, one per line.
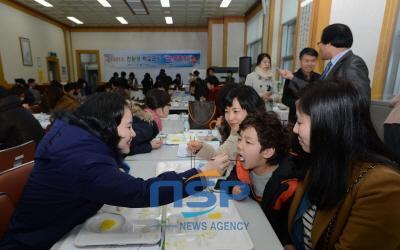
215 216
107 225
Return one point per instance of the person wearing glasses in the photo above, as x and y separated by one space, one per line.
335 46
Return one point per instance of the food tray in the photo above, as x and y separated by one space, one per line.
129 226
205 236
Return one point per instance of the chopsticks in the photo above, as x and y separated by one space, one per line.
192 155
232 160
163 226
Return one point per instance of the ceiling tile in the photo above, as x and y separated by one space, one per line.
184 12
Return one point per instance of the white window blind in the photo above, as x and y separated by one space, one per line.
254 28
392 83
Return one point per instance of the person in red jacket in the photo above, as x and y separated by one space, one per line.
213 91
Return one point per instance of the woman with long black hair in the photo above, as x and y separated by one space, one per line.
349 198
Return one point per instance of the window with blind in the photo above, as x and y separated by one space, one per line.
287 51
392 82
254 37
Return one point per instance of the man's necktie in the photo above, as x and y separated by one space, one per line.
326 70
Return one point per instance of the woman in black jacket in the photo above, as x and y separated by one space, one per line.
146 130
17 124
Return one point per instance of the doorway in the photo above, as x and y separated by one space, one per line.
88 66
2 80
53 68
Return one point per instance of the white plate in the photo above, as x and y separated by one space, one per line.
113 209
203 135
132 226
175 139
184 152
94 224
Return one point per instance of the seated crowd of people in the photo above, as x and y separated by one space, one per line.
325 180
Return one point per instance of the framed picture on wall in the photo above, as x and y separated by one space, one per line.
26 51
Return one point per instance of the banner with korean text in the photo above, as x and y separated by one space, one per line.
141 62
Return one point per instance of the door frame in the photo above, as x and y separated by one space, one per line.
55 60
2 79
3 82
78 62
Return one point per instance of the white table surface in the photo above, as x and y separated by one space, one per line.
165 153
260 230
179 106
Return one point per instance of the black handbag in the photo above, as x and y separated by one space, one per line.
201 114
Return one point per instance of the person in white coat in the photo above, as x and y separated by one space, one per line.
261 79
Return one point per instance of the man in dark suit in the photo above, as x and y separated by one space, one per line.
335 45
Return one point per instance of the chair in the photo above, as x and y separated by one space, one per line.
15 156
12 183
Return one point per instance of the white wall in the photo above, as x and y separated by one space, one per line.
43 36
365 21
217 44
140 41
235 43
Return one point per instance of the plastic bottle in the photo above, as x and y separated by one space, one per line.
186 125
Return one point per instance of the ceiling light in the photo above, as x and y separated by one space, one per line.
75 20
225 3
305 3
121 20
104 3
44 3
168 20
165 3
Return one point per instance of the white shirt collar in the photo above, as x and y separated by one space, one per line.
335 59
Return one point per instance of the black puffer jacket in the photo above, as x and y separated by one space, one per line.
17 125
145 128
145 132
